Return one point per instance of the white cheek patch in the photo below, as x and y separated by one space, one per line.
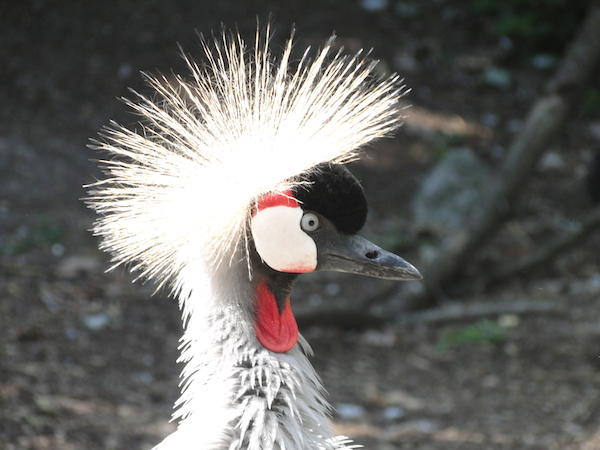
280 241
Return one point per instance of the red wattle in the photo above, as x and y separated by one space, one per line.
276 331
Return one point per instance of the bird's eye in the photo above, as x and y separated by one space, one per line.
309 222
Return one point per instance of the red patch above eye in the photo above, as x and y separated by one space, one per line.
284 198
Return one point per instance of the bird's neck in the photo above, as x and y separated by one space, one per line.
237 393
274 321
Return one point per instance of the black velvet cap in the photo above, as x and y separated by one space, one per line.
332 191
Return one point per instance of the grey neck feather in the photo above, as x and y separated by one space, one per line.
237 395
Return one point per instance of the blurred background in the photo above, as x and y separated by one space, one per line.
490 187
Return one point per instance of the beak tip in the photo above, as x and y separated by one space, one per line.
413 274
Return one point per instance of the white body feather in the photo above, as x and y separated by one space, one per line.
176 204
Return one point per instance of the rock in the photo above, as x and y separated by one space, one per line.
450 197
57 249
543 61
76 265
393 413
71 333
509 321
497 77
144 377
407 10
50 298
374 5
96 321
350 411
490 382
552 161
379 338
396 398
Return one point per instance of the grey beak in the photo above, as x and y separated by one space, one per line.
355 254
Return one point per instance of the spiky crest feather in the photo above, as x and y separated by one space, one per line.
181 187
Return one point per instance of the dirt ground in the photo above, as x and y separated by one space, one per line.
87 359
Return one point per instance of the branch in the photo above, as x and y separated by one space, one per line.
468 311
549 251
541 126
452 312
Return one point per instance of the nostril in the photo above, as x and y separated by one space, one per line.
372 254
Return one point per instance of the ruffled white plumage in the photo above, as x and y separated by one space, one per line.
175 205
181 186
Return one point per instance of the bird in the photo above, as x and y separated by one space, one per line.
233 184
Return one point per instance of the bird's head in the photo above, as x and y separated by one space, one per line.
185 193
311 226
314 225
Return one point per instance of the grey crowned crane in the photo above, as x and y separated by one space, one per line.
233 185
